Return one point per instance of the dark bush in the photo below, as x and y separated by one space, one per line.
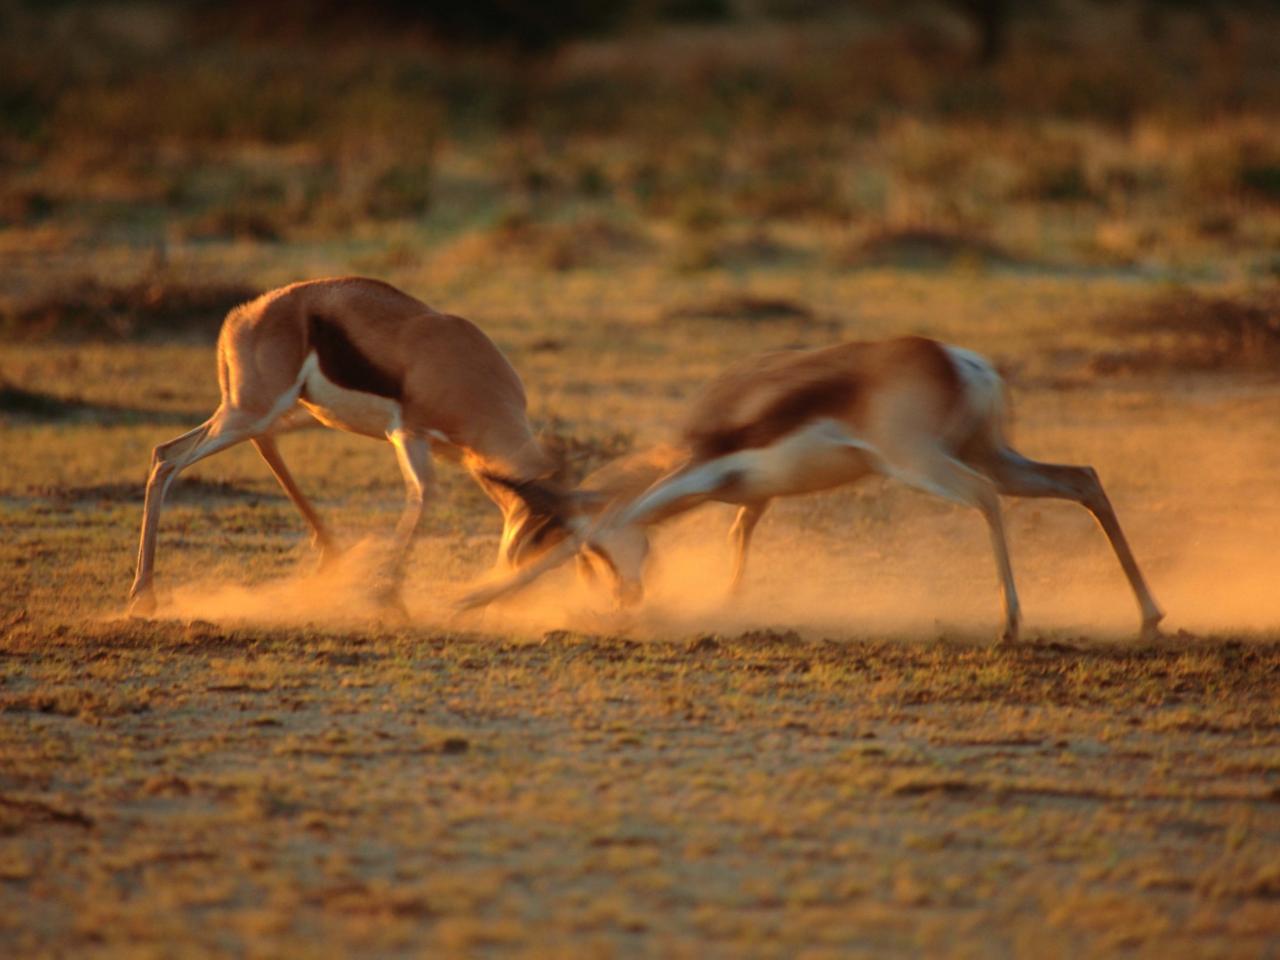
1184 330
89 309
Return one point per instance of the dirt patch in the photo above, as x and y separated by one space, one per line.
427 791
92 309
187 489
587 242
36 405
743 308
25 810
1184 330
18 403
758 248
923 249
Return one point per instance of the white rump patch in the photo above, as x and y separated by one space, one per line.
983 389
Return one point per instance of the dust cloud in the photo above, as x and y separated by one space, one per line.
1198 502
341 595
883 562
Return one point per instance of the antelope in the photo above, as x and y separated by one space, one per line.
362 356
925 413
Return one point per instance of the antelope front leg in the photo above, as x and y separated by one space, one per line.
413 453
165 463
932 469
227 427
1020 477
321 538
744 525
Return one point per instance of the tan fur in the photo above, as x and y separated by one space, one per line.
768 396
424 380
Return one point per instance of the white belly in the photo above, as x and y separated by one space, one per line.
351 410
817 457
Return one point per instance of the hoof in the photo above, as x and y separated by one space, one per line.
1009 635
142 603
1151 628
627 596
391 605
393 608
329 557
395 612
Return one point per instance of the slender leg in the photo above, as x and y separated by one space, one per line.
935 471
413 453
227 427
523 576
627 588
1017 476
586 570
744 525
679 491
320 537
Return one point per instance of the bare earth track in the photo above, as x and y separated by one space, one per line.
266 790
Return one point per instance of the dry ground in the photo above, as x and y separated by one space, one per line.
189 788
840 763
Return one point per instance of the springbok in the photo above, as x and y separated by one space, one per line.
929 414
360 355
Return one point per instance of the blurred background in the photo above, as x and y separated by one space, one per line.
160 161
